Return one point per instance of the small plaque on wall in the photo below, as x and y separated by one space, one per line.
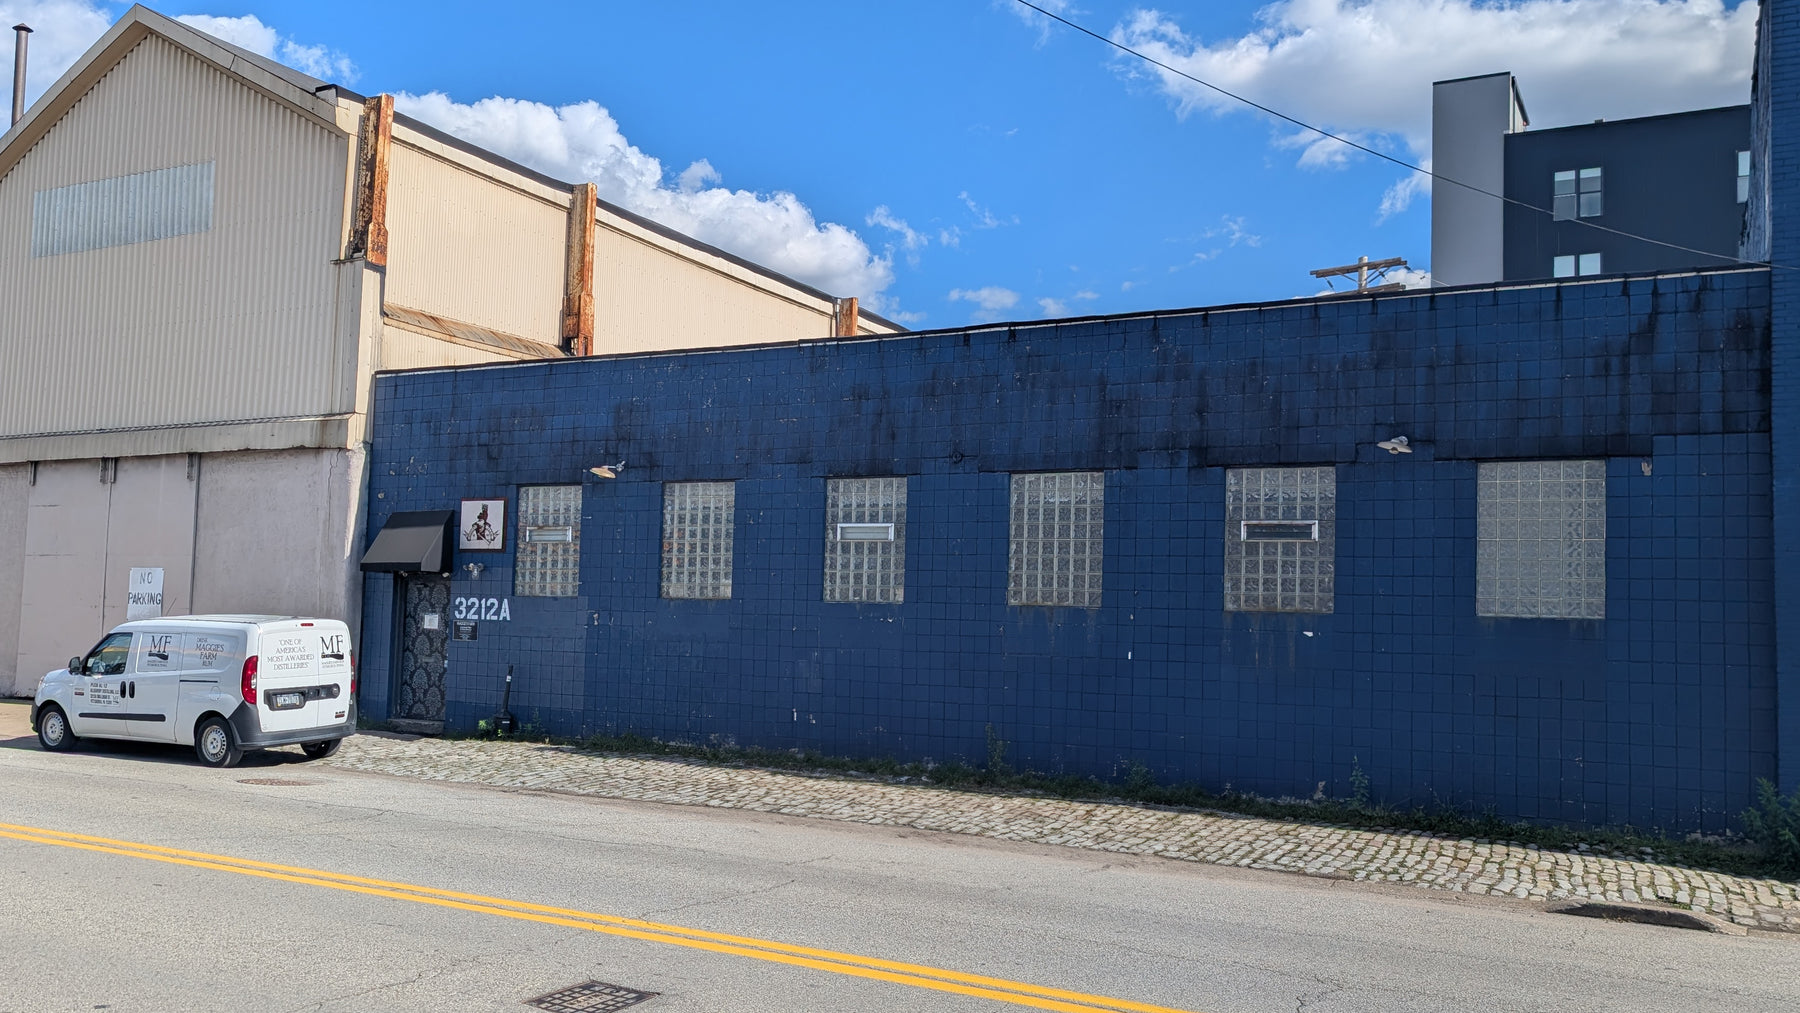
462 629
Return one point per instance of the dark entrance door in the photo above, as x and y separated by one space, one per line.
424 654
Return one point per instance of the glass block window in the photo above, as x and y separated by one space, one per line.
1541 540
865 540
1280 539
698 520
548 559
1056 539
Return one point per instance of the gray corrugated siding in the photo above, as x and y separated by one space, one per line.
138 208
238 322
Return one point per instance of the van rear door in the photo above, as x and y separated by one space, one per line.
303 676
287 676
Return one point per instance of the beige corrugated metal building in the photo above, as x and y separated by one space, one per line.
204 256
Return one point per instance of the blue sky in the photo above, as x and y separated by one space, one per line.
958 160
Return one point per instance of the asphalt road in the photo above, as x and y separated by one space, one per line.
823 916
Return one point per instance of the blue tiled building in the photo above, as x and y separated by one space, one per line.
1188 540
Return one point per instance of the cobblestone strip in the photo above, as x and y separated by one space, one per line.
1425 860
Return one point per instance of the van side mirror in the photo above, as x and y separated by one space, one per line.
75 667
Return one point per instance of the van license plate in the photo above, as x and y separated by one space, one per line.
286 701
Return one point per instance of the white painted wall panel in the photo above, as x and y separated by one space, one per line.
63 576
233 323
647 298
14 487
404 349
470 248
277 532
82 536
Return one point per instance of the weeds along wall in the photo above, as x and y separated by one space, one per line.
1655 706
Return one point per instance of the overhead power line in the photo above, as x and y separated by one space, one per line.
1403 163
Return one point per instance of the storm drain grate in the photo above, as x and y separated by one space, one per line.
277 782
590 997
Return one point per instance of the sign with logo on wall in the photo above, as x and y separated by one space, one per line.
483 527
144 596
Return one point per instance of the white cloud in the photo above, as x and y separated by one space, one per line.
248 32
697 177
1037 20
1060 307
1364 68
991 300
583 142
910 238
984 218
1399 197
1231 229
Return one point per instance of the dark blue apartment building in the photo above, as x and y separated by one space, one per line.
1526 547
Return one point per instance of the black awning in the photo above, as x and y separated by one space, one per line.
415 541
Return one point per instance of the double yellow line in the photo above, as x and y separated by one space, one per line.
919 976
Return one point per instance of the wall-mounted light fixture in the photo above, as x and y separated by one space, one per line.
474 569
608 470
1397 445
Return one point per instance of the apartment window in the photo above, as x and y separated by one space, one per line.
1743 177
1541 539
1280 539
698 521
1571 265
865 540
547 562
1056 539
1576 193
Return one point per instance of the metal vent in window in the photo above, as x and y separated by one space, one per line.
549 555
865 543
1279 531
1280 539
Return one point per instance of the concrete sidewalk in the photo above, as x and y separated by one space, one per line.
1425 860
1430 861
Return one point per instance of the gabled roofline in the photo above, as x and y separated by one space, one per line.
605 207
309 96
315 99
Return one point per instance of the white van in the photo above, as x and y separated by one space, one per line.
222 684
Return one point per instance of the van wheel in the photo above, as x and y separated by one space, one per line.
53 730
214 743
319 750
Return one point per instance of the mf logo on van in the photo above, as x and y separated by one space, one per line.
332 646
157 648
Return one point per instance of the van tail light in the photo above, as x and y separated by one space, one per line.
352 673
248 684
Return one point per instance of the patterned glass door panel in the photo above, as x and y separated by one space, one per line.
424 649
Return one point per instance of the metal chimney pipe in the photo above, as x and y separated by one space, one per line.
22 33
